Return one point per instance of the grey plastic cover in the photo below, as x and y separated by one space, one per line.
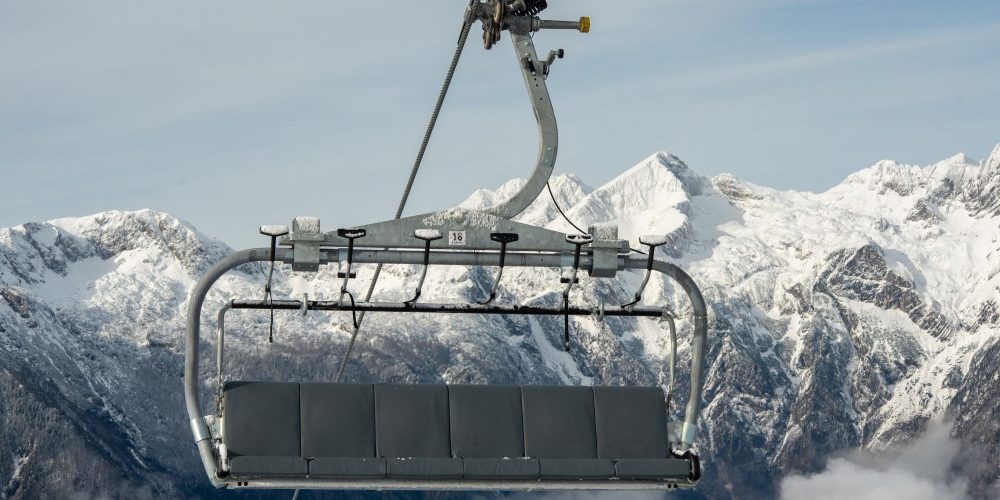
507 468
261 419
338 420
486 421
575 468
347 467
431 468
412 421
631 422
652 468
267 466
559 422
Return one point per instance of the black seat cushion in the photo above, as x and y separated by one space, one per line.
424 468
261 419
248 465
631 422
338 420
558 422
347 467
501 468
576 468
652 468
412 421
486 421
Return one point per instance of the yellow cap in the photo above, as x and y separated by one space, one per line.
584 24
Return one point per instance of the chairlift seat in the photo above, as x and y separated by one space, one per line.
387 432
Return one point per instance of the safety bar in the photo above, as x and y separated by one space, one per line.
297 305
199 426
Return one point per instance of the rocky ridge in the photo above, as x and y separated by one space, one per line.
848 318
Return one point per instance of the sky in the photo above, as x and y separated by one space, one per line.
232 114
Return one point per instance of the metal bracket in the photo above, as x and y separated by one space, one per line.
605 247
689 432
200 429
306 237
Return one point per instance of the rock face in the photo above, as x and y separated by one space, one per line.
849 318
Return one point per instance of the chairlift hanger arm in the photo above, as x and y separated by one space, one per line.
518 19
394 242
548 131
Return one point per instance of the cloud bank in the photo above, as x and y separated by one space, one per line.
919 470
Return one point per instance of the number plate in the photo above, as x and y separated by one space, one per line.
456 238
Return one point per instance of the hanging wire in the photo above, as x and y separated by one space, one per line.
556 203
563 214
269 297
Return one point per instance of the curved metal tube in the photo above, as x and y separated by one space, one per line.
202 434
689 430
548 133
672 361
220 348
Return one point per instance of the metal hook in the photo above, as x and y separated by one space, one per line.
503 239
351 234
578 240
274 232
651 241
428 235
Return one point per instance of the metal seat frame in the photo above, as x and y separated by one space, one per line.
469 239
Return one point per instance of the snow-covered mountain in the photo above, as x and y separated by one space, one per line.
844 319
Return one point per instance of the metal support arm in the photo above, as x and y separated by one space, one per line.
689 431
548 133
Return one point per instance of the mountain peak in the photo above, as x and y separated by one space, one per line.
115 232
731 186
560 183
992 162
483 198
986 191
660 167
890 176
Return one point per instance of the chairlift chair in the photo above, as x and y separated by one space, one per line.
451 437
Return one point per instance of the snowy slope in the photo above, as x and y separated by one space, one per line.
840 319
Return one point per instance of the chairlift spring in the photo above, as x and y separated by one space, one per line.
528 7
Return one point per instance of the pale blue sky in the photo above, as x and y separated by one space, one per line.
231 114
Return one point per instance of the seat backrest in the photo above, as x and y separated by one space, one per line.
559 422
412 421
631 422
338 420
486 421
261 418
439 421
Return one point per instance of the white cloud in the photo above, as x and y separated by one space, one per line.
920 470
588 495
